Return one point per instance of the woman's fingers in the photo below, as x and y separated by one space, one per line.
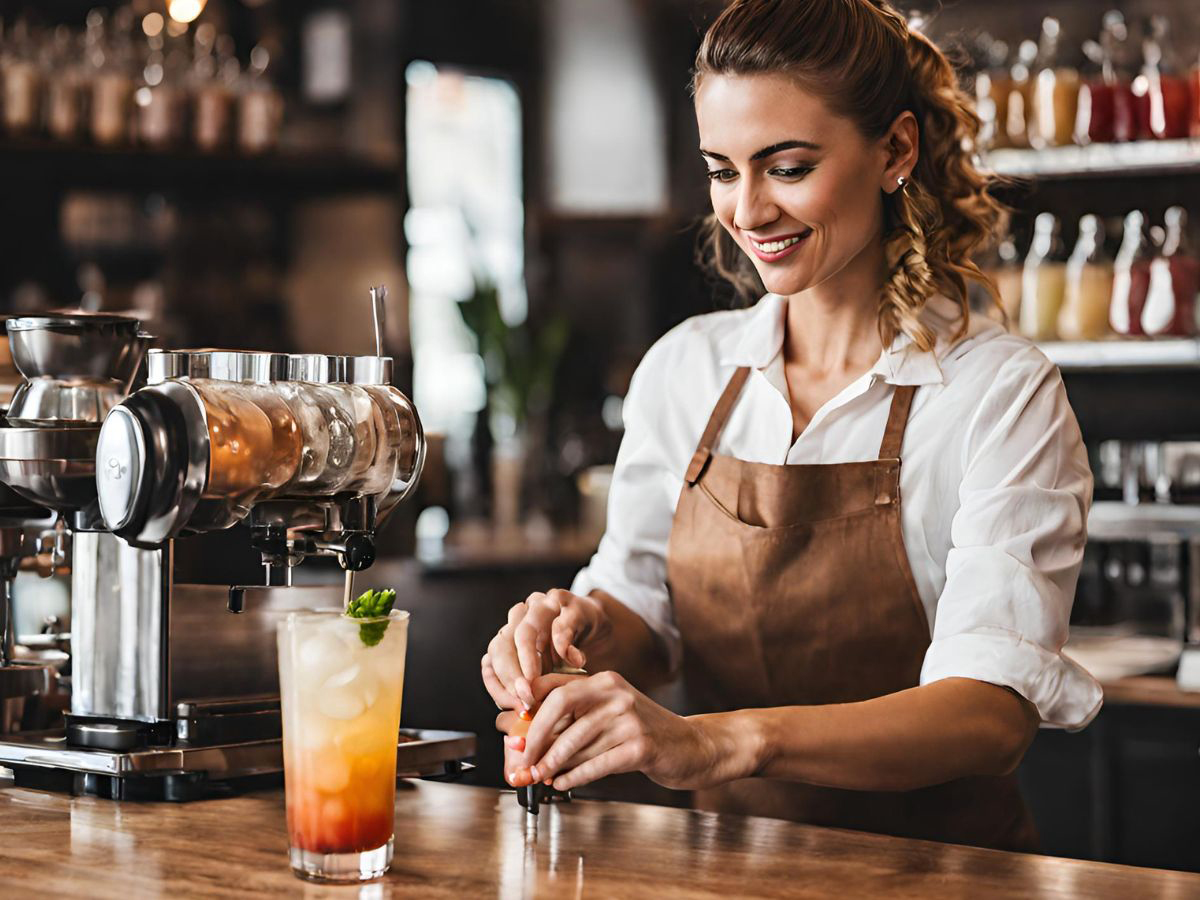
624 757
502 657
502 696
584 738
565 631
532 636
566 700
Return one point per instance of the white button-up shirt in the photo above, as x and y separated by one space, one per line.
995 485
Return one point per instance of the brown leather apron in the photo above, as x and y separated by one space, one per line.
791 586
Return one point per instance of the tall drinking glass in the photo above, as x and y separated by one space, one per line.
340 685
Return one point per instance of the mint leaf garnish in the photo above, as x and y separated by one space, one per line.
372 604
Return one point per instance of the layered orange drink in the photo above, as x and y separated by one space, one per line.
340 684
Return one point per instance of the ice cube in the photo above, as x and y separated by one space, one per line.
321 655
340 702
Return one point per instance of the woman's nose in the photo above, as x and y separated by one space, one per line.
754 206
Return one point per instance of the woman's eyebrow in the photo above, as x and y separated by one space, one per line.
767 151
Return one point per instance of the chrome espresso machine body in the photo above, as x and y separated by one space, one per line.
213 480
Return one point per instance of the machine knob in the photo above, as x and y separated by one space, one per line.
359 553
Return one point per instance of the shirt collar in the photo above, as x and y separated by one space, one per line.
759 339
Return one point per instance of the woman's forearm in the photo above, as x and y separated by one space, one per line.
926 735
623 642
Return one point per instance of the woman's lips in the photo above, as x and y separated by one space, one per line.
778 247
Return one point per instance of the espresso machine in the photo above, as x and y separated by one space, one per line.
206 486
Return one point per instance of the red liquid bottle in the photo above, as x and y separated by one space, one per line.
1131 277
1105 111
1194 101
1163 108
1174 280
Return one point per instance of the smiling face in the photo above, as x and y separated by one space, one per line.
796 186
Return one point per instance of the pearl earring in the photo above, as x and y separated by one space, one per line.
901 181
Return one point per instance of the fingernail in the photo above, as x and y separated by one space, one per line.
533 773
549 782
512 777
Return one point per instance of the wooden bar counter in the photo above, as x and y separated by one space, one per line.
458 841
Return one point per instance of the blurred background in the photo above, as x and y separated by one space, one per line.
523 175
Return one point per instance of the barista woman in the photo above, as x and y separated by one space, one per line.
851 515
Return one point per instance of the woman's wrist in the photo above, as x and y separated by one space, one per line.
737 745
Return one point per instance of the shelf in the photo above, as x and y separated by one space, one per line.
1124 355
1130 159
46 163
1111 520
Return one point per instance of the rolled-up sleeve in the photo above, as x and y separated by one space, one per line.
631 561
1017 546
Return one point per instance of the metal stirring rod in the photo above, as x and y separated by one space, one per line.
378 312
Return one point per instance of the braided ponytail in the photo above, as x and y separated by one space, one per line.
864 61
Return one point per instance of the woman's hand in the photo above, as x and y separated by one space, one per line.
586 728
541 632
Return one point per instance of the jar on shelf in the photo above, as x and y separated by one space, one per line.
1043 280
1088 294
1055 93
1174 281
1131 276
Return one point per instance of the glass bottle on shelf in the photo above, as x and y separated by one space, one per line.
1020 96
1055 92
1122 54
1161 91
1174 281
1131 276
1088 294
1104 95
157 97
212 99
1094 114
1194 98
1006 272
993 84
1043 280
64 86
19 76
111 84
260 106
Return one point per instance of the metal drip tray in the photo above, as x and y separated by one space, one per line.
53 467
419 752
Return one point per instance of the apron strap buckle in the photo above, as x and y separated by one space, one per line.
887 482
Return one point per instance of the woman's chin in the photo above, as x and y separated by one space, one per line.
783 285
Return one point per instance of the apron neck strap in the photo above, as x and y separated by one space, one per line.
893 435
715 423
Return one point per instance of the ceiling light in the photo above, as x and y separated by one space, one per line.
185 11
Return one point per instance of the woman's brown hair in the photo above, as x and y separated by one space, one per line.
862 59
